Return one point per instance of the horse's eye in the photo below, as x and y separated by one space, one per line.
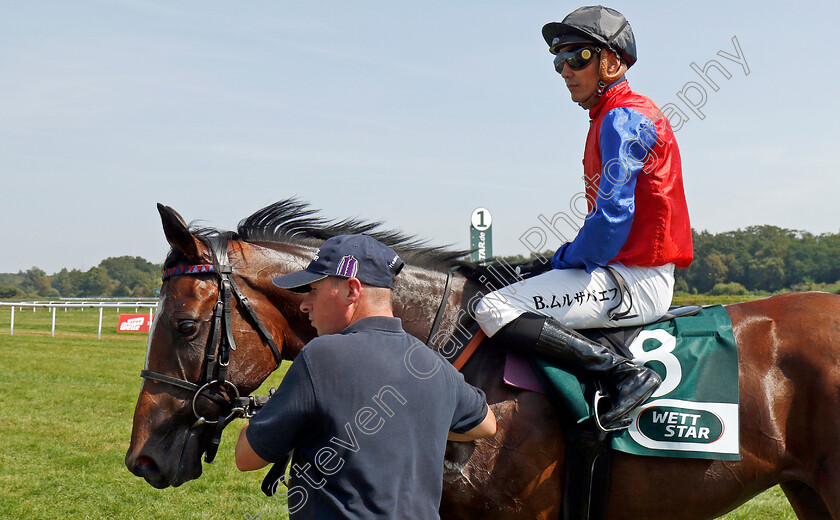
187 327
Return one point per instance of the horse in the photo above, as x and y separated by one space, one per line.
789 367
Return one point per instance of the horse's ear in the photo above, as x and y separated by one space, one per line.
178 234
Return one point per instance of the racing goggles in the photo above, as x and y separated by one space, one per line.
575 58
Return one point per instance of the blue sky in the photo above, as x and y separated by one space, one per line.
413 113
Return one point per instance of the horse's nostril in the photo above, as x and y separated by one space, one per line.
146 467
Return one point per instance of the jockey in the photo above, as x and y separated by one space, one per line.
635 233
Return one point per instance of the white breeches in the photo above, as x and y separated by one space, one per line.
580 300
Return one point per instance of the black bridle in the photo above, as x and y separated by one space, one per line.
217 353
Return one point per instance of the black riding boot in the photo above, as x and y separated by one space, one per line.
629 384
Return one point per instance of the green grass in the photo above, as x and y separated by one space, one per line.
770 505
65 425
66 405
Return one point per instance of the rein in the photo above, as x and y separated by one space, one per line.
217 354
441 309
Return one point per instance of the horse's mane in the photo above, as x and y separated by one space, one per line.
292 221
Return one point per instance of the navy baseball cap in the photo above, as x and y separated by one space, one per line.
347 256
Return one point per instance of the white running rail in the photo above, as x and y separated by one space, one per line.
79 303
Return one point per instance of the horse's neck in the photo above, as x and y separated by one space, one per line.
417 296
418 299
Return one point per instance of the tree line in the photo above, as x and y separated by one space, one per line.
130 276
762 259
758 259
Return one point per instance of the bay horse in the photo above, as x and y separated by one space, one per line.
789 366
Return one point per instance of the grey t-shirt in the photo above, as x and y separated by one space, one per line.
367 412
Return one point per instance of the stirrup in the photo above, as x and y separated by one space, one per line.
619 425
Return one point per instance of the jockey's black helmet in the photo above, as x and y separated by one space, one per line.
596 24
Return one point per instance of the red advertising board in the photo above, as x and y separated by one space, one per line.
134 323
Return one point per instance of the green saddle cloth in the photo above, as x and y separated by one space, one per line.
694 413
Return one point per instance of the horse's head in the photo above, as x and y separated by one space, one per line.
221 328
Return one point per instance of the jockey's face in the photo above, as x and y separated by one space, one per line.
582 83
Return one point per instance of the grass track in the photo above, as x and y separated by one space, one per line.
66 405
